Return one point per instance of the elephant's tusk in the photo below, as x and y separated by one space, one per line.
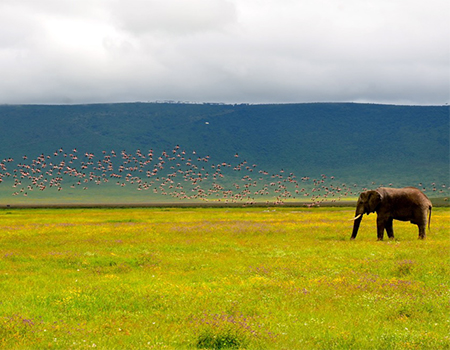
355 218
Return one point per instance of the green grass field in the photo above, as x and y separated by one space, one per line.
253 278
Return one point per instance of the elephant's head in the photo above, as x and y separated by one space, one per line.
368 202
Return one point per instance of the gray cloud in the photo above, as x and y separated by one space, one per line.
173 17
256 51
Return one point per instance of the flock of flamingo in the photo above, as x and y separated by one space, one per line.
177 173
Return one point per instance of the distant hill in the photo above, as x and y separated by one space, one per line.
361 143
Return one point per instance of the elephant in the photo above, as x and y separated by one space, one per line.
404 204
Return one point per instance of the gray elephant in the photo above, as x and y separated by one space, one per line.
404 204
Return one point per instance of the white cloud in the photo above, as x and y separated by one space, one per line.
173 16
257 51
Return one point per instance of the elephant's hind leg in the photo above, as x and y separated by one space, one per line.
422 231
422 224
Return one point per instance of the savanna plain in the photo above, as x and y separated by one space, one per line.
249 278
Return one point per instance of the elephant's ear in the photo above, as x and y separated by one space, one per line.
374 200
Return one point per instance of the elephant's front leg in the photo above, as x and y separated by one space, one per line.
381 223
390 228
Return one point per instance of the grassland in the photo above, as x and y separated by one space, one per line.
254 278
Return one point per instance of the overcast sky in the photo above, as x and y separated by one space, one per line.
231 51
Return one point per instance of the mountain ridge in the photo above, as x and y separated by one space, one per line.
363 143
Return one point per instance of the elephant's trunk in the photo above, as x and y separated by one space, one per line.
357 221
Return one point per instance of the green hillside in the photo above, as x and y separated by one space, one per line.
356 143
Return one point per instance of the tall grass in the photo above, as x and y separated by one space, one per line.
249 278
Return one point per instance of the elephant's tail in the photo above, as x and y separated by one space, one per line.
429 216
